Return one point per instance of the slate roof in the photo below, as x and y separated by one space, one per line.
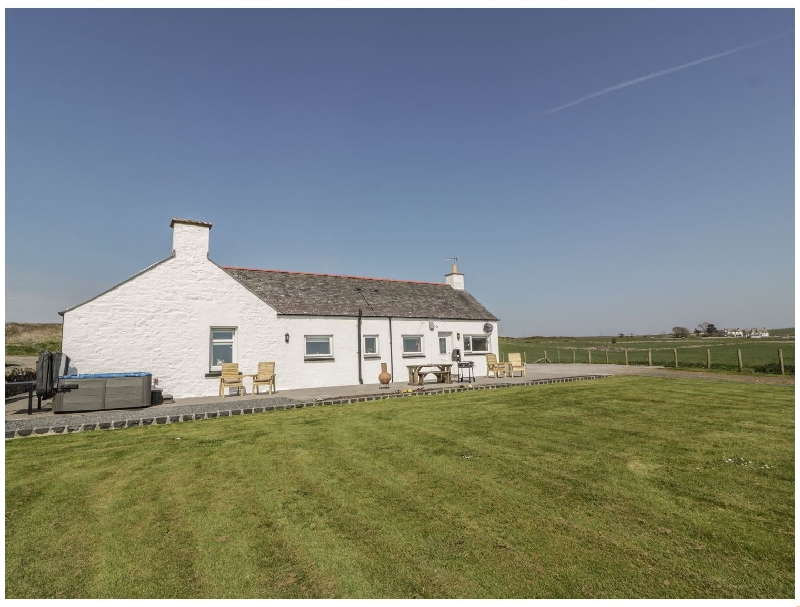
300 293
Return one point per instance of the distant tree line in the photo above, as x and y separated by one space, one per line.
704 329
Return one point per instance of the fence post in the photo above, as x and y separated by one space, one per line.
558 354
676 356
573 356
606 356
739 356
708 357
545 357
626 356
780 357
590 355
650 356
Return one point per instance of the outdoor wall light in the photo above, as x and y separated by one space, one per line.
458 336
286 337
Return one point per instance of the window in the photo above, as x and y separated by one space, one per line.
223 347
476 343
371 346
319 346
412 345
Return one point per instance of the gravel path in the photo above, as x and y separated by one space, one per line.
21 361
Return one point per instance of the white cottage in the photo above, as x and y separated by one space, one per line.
183 316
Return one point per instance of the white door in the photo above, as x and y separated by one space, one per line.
445 347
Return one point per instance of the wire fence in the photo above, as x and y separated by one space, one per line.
759 359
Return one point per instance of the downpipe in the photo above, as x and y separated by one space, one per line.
360 378
391 347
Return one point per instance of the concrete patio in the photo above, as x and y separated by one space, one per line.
44 421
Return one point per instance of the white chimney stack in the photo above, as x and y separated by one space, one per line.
455 278
190 238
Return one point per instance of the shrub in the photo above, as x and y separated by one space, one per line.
16 374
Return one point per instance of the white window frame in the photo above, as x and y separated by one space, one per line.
468 339
317 356
212 342
421 352
377 352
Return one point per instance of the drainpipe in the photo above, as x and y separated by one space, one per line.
360 378
391 348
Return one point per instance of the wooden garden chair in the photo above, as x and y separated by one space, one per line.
265 377
493 366
515 364
230 378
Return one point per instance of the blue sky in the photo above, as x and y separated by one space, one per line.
380 142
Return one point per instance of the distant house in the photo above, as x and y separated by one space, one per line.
754 333
182 317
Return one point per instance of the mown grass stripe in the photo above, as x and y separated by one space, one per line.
632 487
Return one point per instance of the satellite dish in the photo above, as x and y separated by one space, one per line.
488 328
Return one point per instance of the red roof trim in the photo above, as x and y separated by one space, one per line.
418 282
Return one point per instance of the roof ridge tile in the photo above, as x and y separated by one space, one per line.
419 282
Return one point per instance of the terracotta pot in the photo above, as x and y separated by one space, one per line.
385 377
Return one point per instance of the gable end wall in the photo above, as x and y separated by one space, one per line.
159 322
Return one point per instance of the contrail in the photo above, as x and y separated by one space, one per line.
628 83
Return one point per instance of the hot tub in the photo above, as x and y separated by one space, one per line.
102 391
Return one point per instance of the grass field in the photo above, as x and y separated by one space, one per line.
691 351
28 339
623 487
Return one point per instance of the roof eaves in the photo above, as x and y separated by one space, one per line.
489 318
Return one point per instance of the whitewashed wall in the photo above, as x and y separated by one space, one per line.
160 322
343 370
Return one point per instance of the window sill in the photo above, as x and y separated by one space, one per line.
372 356
318 359
476 353
421 355
214 374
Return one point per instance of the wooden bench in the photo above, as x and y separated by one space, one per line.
417 373
442 377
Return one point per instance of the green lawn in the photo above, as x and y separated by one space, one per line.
622 487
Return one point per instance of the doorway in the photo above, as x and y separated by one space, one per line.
445 347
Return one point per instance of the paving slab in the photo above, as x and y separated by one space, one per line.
44 421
